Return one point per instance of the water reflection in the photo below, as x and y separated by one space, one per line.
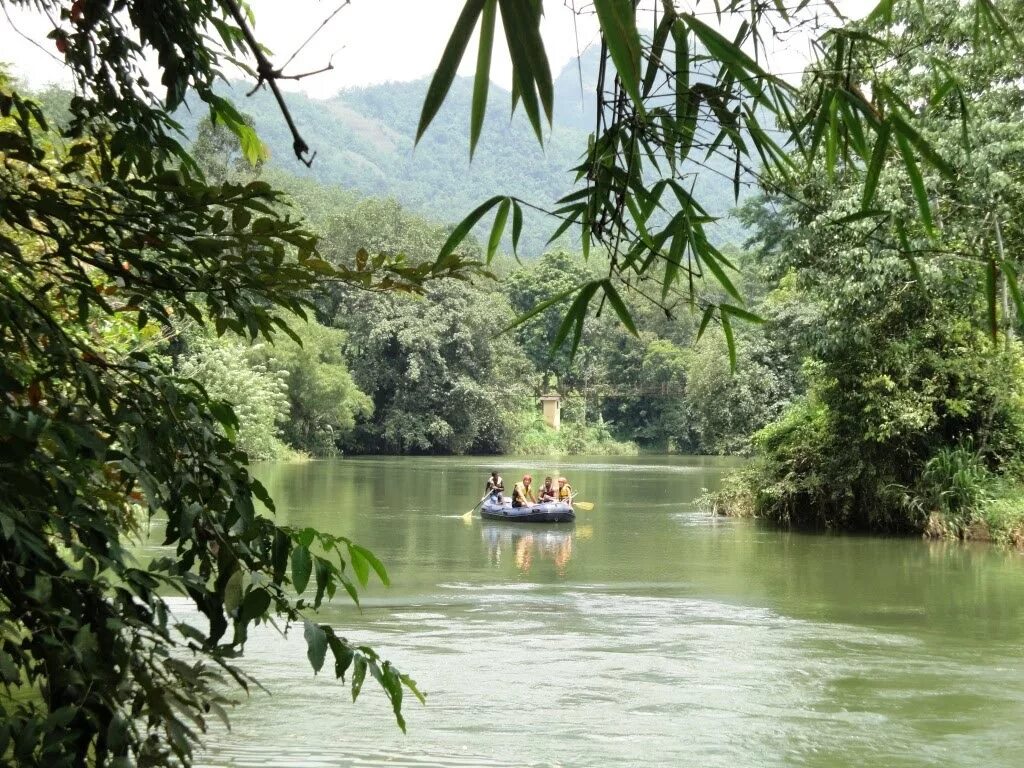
527 544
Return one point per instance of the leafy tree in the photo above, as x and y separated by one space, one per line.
217 152
896 317
112 228
668 102
257 393
439 380
323 402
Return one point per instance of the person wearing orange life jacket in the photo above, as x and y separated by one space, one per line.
522 493
564 491
547 491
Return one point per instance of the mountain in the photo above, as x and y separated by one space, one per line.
363 140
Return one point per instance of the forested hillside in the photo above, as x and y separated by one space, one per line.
364 141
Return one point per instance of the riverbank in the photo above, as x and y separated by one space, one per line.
997 516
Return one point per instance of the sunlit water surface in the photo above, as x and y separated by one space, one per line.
646 634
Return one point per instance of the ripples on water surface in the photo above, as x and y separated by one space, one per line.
646 634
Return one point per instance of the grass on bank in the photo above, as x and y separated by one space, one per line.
956 498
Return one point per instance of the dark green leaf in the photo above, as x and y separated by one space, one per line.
316 644
620 308
618 27
500 218
449 64
483 73
464 227
256 603
302 567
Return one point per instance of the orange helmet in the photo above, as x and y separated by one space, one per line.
527 477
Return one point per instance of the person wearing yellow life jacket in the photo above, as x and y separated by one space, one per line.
564 491
522 493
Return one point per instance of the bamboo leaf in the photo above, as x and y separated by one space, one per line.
658 48
874 170
538 308
730 342
673 262
449 64
620 308
530 70
464 227
500 218
742 314
709 258
906 131
575 316
517 225
916 181
618 26
483 73
686 122
709 312
1011 282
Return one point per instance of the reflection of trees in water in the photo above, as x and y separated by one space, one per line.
527 544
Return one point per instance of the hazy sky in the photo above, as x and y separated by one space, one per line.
371 41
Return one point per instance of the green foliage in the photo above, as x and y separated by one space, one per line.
439 381
914 407
1003 517
256 393
633 208
725 406
955 483
323 402
530 436
110 237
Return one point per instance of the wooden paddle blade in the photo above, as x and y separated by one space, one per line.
586 506
469 514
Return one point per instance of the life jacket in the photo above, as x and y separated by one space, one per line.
547 490
493 485
565 492
522 495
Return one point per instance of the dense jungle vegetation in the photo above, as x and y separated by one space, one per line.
171 313
392 373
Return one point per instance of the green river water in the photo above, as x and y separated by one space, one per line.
647 634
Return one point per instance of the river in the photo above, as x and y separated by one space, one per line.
647 634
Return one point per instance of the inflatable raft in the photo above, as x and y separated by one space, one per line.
549 512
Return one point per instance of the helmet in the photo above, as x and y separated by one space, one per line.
527 477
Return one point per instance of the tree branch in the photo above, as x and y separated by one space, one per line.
268 74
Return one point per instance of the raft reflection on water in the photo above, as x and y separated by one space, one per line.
523 544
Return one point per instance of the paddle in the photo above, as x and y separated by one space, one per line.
586 506
469 514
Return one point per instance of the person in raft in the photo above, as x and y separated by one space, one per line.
495 487
564 491
522 493
547 491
